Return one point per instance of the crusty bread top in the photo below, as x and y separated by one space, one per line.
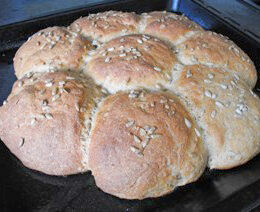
132 61
214 50
53 48
168 26
144 145
227 111
104 26
49 114
137 143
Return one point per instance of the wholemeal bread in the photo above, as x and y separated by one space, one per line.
144 102
49 131
144 145
53 48
130 62
227 111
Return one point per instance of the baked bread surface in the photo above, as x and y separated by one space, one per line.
145 102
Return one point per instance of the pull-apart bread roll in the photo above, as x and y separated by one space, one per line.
53 48
51 122
226 109
144 145
144 102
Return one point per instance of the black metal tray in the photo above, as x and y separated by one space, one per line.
22 189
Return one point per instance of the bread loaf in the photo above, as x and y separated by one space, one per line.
145 102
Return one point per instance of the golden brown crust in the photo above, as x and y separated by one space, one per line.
45 129
214 50
227 111
168 26
47 120
106 25
125 164
132 61
51 49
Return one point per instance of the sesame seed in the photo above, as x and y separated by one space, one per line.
210 76
197 132
208 93
21 143
48 116
187 123
223 86
4 103
219 104
188 74
122 40
167 106
137 139
107 59
157 68
213 114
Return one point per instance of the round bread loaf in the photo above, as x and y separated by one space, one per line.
132 61
49 131
144 145
53 48
143 101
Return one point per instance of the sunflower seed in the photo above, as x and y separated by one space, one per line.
187 123
208 93
157 69
197 132
48 116
142 132
33 121
210 76
188 74
21 143
223 86
137 139
213 114
136 150
219 104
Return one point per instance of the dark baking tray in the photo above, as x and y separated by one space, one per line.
22 189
